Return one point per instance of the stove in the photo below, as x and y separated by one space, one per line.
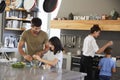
96 71
75 62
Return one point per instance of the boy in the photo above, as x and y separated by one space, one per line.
106 65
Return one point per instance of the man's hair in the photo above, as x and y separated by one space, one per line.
36 22
95 28
108 50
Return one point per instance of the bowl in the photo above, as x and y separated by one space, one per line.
18 65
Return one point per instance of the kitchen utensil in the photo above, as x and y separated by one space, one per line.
49 5
2 6
29 4
35 63
18 65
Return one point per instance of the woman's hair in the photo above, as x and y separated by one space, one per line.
55 41
36 22
95 28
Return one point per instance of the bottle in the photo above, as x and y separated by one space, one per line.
70 16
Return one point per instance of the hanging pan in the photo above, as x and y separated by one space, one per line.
49 5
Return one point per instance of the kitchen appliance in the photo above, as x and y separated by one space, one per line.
95 72
75 62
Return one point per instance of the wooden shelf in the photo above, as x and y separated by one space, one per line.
15 18
16 29
106 25
19 9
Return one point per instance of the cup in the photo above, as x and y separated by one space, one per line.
78 52
35 64
69 53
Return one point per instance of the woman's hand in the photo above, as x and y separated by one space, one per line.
110 43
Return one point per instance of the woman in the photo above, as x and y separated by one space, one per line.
90 48
54 57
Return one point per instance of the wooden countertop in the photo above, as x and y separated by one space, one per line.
106 25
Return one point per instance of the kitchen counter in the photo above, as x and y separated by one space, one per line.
8 49
27 73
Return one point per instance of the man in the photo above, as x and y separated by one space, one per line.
90 47
35 39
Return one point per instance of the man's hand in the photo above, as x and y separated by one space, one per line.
28 57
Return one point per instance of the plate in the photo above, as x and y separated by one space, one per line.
28 4
18 3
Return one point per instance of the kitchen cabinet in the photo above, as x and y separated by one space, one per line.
16 19
106 25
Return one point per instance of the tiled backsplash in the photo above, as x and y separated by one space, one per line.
72 40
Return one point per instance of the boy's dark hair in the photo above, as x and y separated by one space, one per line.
36 22
108 50
95 28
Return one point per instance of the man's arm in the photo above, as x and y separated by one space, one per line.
20 48
46 48
21 51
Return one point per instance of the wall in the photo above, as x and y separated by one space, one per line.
88 7
101 40
1 26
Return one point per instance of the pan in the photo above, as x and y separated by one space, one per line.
50 5
29 4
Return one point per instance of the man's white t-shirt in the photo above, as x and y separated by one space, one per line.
90 46
50 56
